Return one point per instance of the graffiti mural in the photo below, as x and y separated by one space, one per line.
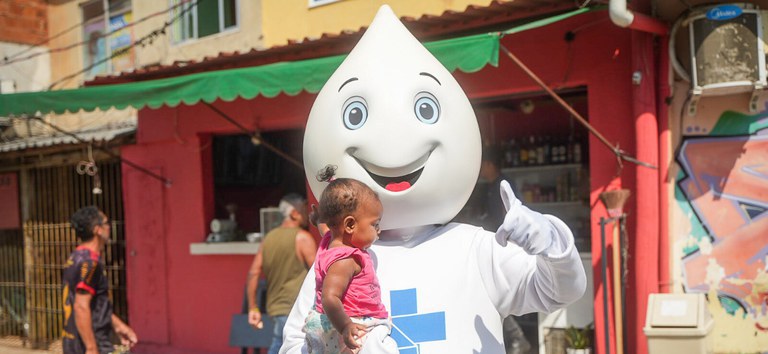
724 187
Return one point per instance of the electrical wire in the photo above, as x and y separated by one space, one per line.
89 168
255 136
620 154
33 46
141 42
141 169
11 59
676 65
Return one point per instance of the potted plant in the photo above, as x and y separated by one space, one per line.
579 339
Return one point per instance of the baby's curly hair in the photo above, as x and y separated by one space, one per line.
341 197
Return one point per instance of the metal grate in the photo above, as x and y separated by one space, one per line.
54 194
12 302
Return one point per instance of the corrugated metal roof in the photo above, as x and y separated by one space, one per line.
105 133
426 27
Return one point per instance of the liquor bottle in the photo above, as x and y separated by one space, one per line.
506 154
563 151
523 152
555 154
527 193
548 149
515 152
532 159
577 150
540 151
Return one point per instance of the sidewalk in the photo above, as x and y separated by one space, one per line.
14 345
16 350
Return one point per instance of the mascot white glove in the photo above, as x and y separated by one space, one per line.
531 230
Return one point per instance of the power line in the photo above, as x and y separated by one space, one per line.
142 169
33 46
149 38
11 59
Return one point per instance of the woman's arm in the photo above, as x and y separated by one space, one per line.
335 284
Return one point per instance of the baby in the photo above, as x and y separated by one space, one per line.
348 315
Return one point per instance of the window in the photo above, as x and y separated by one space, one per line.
98 49
207 18
252 176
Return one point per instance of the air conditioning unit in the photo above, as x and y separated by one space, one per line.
727 54
270 218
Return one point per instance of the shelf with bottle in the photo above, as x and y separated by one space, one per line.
541 205
540 168
540 150
541 185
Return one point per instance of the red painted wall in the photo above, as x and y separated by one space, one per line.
599 58
9 201
183 303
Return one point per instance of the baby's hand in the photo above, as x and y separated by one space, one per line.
353 334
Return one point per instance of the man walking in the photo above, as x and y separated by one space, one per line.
285 256
88 317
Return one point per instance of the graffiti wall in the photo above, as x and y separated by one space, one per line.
722 194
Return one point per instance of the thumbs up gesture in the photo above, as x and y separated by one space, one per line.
527 228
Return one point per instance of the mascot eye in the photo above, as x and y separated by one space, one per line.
426 108
355 113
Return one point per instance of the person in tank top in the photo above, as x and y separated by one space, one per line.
285 256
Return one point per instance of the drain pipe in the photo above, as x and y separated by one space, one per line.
646 119
622 17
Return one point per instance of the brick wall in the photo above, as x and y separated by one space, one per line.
23 21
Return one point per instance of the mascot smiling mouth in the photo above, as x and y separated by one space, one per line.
397 184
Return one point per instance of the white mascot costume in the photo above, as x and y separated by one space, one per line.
393 117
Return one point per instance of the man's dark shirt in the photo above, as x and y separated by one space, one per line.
85 271
495 212
494 207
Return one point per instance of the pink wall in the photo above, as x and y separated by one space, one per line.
179 302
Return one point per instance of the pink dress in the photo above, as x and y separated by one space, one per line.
363 296
362 303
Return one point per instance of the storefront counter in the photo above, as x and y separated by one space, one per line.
212 248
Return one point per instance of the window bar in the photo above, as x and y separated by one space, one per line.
107 45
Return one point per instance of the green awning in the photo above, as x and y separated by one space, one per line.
468 54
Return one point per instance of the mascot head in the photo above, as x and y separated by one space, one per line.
394 118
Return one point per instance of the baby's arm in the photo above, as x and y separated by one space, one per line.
335 284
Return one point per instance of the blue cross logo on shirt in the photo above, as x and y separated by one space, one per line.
410 328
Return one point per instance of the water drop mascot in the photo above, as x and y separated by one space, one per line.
393 117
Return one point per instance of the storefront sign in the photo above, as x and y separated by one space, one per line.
121 40
9 201
725 12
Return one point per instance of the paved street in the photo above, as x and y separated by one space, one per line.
14 345
16 350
